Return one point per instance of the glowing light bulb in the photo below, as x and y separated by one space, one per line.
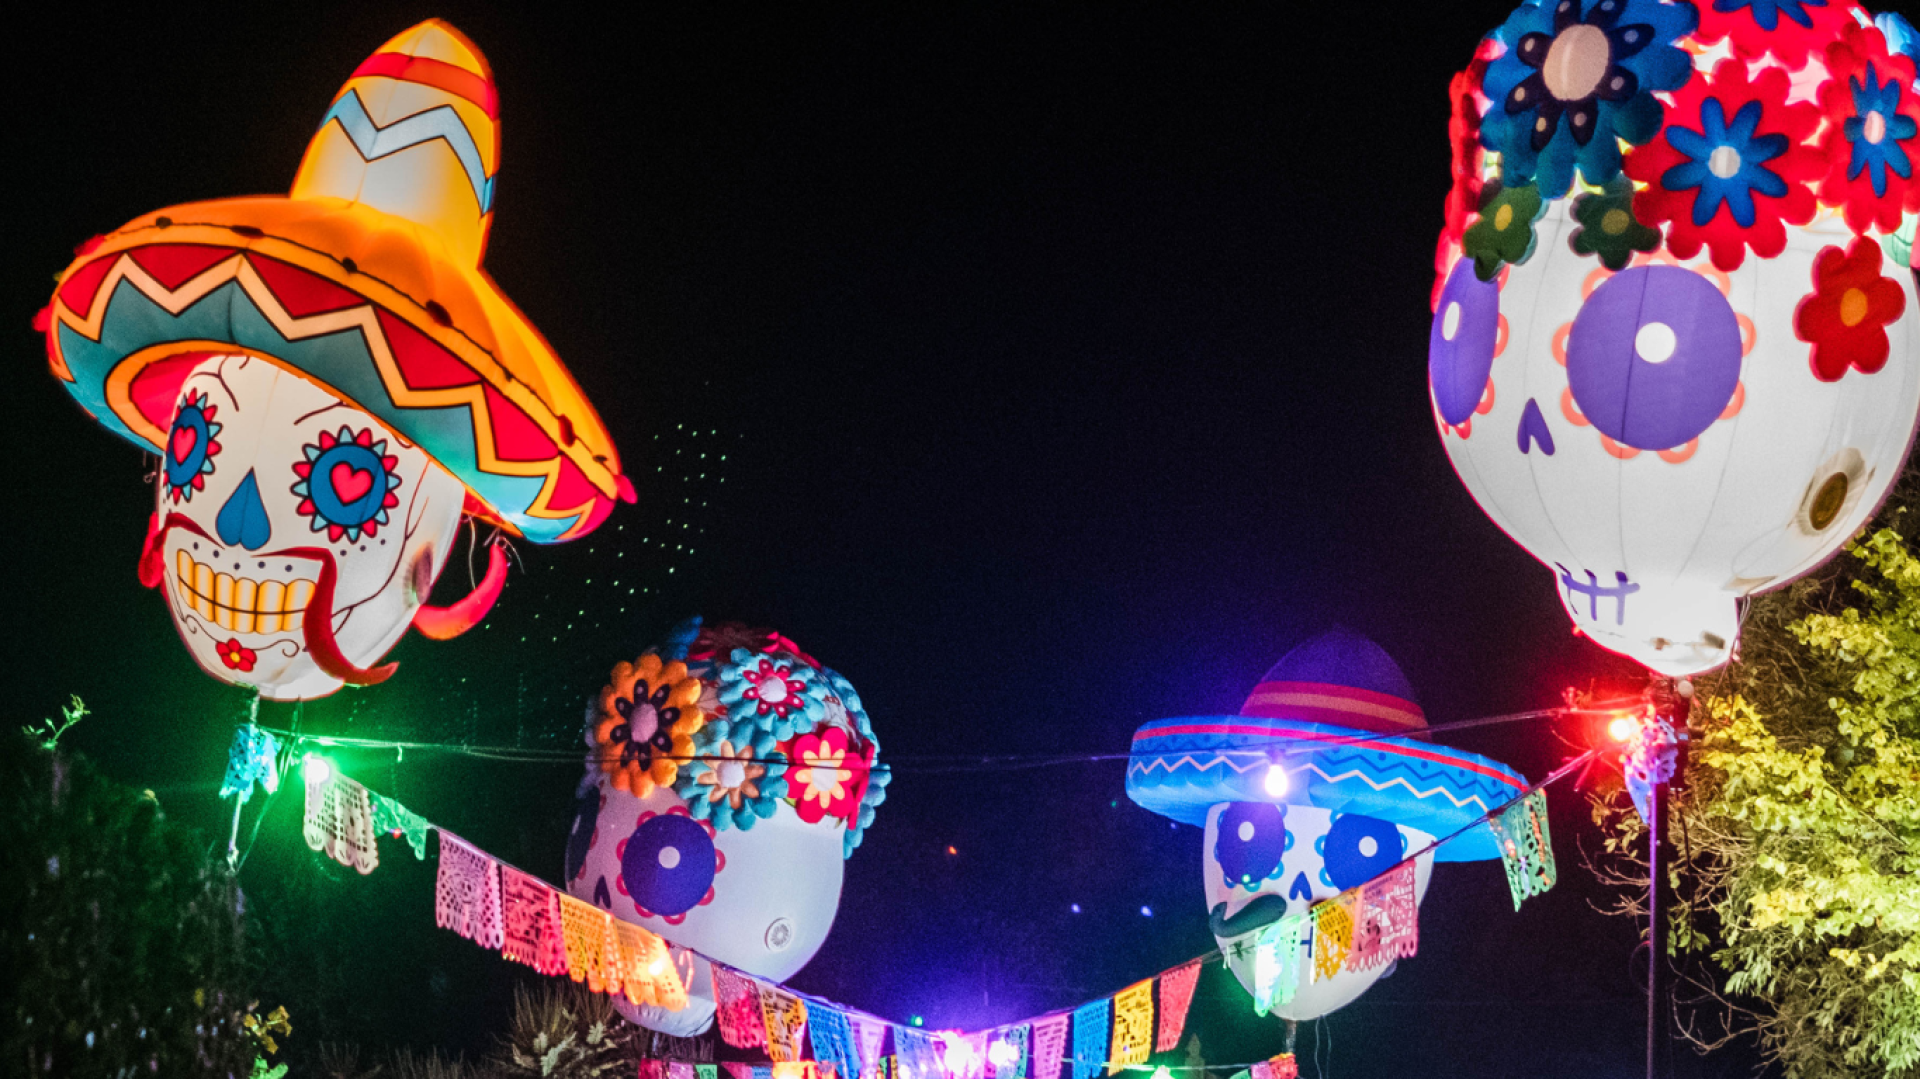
317 769
1621 728
1002 1055
1276 783
957 1055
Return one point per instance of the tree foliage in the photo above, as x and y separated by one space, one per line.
1798 828
124 943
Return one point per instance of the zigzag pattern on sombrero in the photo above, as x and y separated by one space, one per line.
366 280
1360 763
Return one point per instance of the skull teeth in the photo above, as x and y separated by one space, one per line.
240 604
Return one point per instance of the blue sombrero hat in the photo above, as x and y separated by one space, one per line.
1336 713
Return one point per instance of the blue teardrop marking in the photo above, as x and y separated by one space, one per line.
1533 429
243 520
1301 889
600 894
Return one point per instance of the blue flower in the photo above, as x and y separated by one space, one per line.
1766 13
1577 79
1726 162
1874 130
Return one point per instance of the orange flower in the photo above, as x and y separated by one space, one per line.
645 723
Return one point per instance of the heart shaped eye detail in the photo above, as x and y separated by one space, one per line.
347 483
191 447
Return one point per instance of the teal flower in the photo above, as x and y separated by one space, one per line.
769 698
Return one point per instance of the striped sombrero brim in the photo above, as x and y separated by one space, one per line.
1181 768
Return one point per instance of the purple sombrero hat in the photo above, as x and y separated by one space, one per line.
1337 714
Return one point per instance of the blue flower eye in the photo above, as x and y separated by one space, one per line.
347 483
1358 849
1250 841
668 864
191 448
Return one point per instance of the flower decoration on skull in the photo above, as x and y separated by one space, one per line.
769 697
1873 131
1731 169
236 656
1607 228
733 786
1578 79
346 484
711 643
829 775
1463 137
645 723
191 447
1504 234
1847 314
1787 30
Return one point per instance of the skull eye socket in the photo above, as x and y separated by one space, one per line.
1250 842
346 483
1359 848
1461 344
667 866
1654 356
191 448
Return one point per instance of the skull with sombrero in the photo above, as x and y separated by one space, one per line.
1357 791
332 383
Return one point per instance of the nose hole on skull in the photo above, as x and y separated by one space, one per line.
242 520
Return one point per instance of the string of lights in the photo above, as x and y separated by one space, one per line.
928 764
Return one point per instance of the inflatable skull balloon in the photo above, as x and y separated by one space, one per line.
287 504
1360 797
729 775
1691 373
331 381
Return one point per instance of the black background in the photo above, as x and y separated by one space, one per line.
1054 371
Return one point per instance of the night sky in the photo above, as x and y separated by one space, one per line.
1043 372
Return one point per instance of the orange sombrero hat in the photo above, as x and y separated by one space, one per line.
364 279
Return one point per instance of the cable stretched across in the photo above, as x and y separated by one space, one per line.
927 764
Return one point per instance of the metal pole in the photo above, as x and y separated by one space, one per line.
1656 923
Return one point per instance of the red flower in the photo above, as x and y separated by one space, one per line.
1788 30
1872 140
1847 314
1733 151
240 658
827 777
1463 135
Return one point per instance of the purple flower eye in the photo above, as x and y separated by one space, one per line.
1654 357
668 864
1460 347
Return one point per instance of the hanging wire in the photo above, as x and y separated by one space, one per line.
952 763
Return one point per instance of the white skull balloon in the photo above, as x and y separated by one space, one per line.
293 524
349 329
729 776
1313 790
1693 376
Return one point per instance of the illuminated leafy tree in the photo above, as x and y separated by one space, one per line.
1798 831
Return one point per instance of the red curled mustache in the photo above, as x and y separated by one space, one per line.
438 623
316 627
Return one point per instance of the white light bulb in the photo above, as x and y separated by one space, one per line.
1276 782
